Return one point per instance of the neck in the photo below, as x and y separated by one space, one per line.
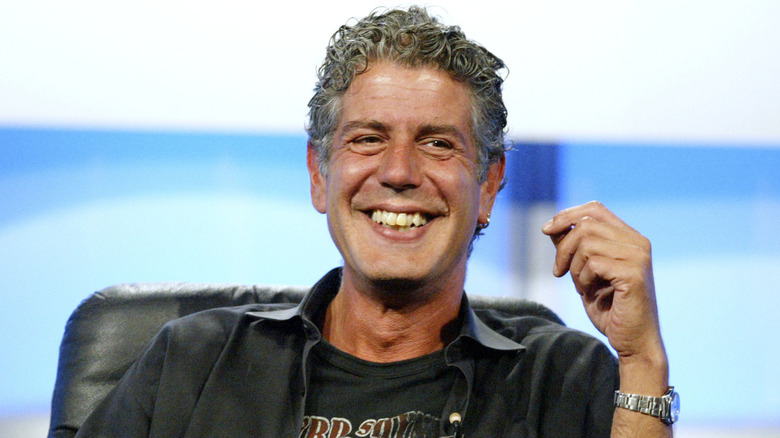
391 325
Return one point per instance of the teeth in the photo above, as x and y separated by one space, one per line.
399 221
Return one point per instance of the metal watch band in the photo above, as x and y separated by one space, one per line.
659 407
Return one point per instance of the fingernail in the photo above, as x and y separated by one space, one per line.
548 225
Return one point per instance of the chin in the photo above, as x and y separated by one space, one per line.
402 282
398 279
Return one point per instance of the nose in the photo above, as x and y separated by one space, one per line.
400 166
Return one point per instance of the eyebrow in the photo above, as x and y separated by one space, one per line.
365 124
442 129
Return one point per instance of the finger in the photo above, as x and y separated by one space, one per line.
590 230
567 245
597 294
556 238
564 220
585 231
590 247
594 272
623 273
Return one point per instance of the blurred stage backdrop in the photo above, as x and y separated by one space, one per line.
157 141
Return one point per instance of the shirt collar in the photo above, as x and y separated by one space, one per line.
316 300
473 328
313 303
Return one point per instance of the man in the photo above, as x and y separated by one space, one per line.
406 156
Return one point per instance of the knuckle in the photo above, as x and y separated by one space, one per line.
645 260
595 203
637 278
645 244
586 224
587 246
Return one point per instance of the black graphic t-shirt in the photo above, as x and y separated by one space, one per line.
350 397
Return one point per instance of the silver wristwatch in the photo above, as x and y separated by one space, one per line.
667 407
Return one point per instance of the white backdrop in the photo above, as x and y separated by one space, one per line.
673 70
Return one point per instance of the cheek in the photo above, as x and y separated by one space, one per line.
461 188
346 176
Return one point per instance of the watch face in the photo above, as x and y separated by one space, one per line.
674 411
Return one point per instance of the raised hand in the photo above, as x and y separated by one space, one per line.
611 266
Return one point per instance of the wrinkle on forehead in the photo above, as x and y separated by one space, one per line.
418 78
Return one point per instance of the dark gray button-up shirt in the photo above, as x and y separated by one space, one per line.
241 372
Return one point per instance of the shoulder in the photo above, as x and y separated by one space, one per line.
203 335
186 350
218 324
542 336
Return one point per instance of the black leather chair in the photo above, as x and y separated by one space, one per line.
108 330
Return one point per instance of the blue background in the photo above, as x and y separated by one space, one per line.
84 209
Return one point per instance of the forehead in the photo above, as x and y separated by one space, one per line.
396 94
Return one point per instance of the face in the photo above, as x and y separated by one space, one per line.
402 194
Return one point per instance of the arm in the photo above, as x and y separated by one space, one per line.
610 264
157 394
127 410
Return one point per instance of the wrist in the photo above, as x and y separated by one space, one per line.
646 373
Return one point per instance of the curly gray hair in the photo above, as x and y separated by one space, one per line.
415 39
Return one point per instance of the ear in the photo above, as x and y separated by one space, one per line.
317 179
490 188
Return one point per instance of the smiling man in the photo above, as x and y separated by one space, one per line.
406 157
403 150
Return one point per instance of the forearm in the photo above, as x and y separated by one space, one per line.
646 376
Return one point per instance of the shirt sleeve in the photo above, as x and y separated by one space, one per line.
127 410
601 406
158 393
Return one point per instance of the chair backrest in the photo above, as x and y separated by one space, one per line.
108 330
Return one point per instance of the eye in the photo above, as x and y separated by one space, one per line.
437 148
440 144
367 139
367 144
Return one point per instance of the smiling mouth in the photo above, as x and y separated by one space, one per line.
399 221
